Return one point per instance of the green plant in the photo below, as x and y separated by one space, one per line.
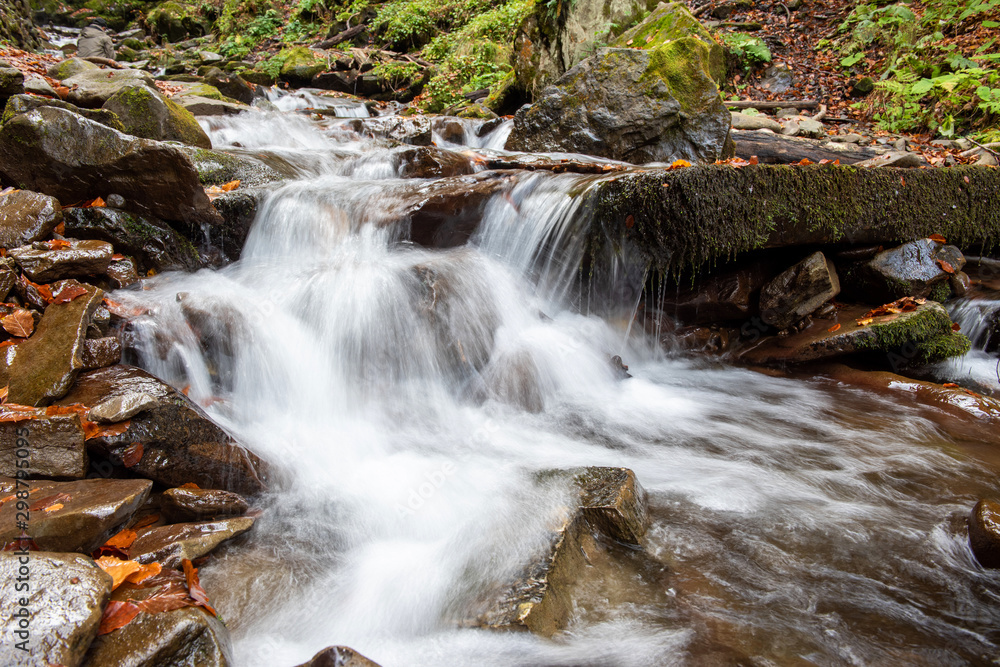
397 75
748 50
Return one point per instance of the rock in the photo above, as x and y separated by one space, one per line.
71 67
218 167
899 144
169 545
154 244
57 616
210 58
984 532
197 105
93 88
55 444
959 283
986 159
913 338
541 598
811 128
861 87
894 159
122 407
413 130
790 128
744 122
47 363
709 340
148 114
187 637
200 504
11 83
101 352
426 162
552 40
339 656
71 158
300 64
912 269
238 209
777 79
846 138
731 295
799 291
26 217
36 85
637 106
230 85
20 104
122 273
80 259
92 511
173 21
180 443
8 277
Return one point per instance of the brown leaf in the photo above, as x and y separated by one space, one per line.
170 597
59 244
48 501
60 228
19 323
629 221
197 593
132 455
147 520
67 291
938 238
117 615
955 326
122 540
945 266
189 485
93 430
753 160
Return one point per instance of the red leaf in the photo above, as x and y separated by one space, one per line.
93 430
955 326
835 327
753 159
122 540
197 593
42 503
945 266
629 221
67 291
23 543
172 596
950 385
938 238
117 615
132 455
805 162
19 323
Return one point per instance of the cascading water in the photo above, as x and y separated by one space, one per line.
407 399
979 368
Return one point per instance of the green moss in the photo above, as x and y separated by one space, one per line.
930 321
301 63
939 348
682 64
70 67
941 292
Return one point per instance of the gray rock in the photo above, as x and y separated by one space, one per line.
169 545
846 138
146 113
339 656
61 608
893 159
899 144
82 258
91 89
55 443
62 154
20 104
811 128
71 67
92 511
46 364
122 407
799 291
960 283
912 269
209 58
26 217
36 85
230 85
203 106
622 104
790 128
11 83
122 273
759 122
777 79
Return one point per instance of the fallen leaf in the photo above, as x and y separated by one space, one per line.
197 593
945 266
118 569
132 455
938 238
147 520
94 203
865 321
117 615
117 257
22 543
3 394
972 393
950 385
805 162
93 430
679 164
122 540
835 327
60 229
189 485
19 323
53 508
955 326
144 572
966 178
169 598
753 160
59 244
48 501
629 221
67 291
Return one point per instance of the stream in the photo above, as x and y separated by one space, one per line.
407 399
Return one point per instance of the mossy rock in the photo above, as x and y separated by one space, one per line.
301 64
24 103
148 114
208 92
258 77
174 21
669 22
70 67
476 111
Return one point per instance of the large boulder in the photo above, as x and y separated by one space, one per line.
65 69
172 544
24 103
301 64
26 217
92 88
180 444
230 85
11 83
199 504
557 36
74 516
55 618
632 105
148 114
71 158
77 260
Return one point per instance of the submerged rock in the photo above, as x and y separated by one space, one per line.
148 114
80 259
55 443
79 516
47 363
799 291
69 157
26 217
61 607
180 443
731 295
637 106
169 545
339 656
984 533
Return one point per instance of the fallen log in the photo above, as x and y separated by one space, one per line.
342 36
778 149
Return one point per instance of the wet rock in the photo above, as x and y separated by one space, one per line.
47 363
339 656
912 338
799 291
894 159
61 608
122 407
743 121
20 104
71 158
912 269
413 130
218 167
199 504
712 340
154 244
36 85
777 79
230 85
180 443
80 259
169 545
26 217
238 209
637 106
71 67
187 637
731 295
8 277
984 532
424 162
122 273
55 444
92 88
146 113
92 511
101 352
611 504
960 283
197 105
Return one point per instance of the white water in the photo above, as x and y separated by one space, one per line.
407 397
977 368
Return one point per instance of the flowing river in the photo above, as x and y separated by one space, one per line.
407 399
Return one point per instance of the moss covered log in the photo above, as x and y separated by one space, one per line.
686 219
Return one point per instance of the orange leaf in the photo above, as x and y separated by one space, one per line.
3 393
43 290
53 508
59 244
171 597
230 186
938 238
93 430
865 321
950 385
117 257
144 572
147 520
966 178
189 485
118 569
60 229
679 164
197 593
122 540
835 327
805 162
629 221
132 455
48 501
753 160
945 266
19 323
117 615
67 291
955 326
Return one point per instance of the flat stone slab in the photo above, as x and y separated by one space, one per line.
169 545
26 217
53 447
79 260
61 605
200 504
73 516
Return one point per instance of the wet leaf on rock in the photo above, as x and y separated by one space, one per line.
197 593
19 323
937 237
132 455
945 266
117 615
122 540
48 501
67 292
